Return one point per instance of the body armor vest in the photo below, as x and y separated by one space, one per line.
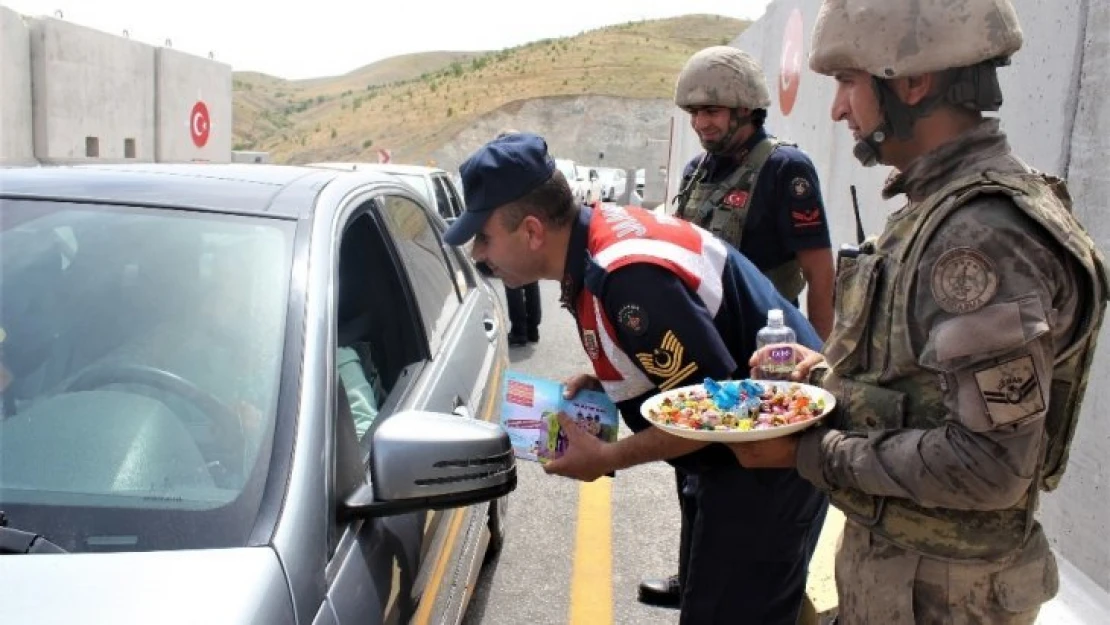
880 385
722 208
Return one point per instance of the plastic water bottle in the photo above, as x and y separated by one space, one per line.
778 363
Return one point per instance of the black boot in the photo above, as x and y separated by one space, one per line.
666 592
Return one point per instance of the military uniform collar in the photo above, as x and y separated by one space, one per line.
577 259
967 154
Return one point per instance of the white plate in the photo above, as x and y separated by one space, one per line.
736 436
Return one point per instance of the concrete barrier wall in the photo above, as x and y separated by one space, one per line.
93 94
193 99
1078 515
71 94
1056 115
16 147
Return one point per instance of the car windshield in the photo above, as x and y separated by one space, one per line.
140 357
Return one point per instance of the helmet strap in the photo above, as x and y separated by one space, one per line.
735 122
898 120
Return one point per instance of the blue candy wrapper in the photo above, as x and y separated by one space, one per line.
734 395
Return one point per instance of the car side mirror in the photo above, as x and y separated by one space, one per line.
431 461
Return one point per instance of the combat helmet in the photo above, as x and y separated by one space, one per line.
965 39
721 76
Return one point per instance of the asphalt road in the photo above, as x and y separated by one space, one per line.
539 577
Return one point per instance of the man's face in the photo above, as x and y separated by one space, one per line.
856 103
514 256
713 125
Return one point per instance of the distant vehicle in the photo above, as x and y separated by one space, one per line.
247 156
614 183
593 187
435 185
576 178
188 352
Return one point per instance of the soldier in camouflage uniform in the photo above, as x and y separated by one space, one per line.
963 334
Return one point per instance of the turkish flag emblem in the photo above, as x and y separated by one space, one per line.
737 199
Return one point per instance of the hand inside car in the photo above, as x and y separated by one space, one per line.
586 456
807 360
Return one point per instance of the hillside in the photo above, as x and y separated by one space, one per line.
415 104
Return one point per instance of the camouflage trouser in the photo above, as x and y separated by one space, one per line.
880 583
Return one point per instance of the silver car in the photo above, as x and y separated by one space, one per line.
435 185
242 394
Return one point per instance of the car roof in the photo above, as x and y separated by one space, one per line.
230 188
392 168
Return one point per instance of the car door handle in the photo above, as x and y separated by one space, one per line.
490 324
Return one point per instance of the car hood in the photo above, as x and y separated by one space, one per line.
209 586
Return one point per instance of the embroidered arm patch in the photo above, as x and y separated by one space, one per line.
1011 390
963 280
633 318
666 362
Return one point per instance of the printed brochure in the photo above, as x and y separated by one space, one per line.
528 413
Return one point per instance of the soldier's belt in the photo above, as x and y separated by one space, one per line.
939 532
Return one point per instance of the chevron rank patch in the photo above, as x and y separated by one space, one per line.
666 362
1011 390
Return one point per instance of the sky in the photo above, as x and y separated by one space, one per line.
330 37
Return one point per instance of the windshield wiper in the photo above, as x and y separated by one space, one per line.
17 541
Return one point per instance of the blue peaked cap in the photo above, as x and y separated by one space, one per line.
499 172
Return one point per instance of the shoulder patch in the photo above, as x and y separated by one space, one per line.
1011 390
800 187
633 319
963 280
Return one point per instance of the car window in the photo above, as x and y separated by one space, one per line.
452 195
425 263
443 204
141 360
455 262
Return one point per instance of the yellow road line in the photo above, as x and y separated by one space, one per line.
591 586
431 590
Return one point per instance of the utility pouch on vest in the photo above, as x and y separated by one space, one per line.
857 279
713 214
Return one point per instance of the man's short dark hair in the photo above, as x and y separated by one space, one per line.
551 202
